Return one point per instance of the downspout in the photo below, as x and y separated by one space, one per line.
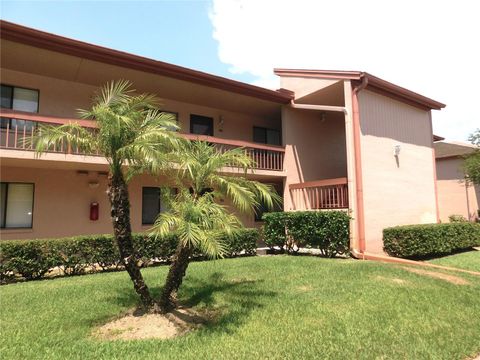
359 252
357 249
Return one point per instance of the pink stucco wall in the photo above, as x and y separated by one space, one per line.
455 196
62 202
59 97
315 149
396 190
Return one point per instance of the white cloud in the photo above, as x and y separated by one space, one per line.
430 47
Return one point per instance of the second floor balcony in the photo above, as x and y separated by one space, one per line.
17 131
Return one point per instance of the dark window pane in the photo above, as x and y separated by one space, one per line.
266 136
201 125
273 137
150 204
260 135
4 122
7 93
3 203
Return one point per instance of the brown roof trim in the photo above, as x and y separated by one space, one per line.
375 84
437 138
324 74
44 40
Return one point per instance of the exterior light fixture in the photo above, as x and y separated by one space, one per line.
396 150
221 121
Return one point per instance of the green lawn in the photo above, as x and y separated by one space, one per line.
273 307
469 260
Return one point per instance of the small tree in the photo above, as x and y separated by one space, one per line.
196 216
472 161
131 130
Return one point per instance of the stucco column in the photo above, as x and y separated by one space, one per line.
350 150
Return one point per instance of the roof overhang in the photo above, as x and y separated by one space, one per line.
374 84
48 41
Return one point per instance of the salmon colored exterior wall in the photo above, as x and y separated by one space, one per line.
395 191
314 150
63 98
62 202
455 196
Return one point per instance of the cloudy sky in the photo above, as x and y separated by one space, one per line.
430 47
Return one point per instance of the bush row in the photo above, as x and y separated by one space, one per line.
327 231
429 240
33 259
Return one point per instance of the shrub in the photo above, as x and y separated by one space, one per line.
457 218
243 242
429 240
327 231
32 259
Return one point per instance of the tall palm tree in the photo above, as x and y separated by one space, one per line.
131 130
195 214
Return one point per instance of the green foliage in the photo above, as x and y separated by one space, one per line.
303 307
196 212
457 218
474 137
130 129
199 222
430 240
327 231
33 259
471 167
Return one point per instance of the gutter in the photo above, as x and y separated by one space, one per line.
318 107
358 248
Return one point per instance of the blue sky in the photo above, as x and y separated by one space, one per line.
178 32
405 42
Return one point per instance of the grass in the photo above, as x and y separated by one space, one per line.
273 307
469 260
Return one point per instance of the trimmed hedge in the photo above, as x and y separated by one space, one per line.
33 259
327 231
430 240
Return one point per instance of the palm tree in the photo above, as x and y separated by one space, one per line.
131 130
195 214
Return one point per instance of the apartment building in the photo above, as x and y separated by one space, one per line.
326 140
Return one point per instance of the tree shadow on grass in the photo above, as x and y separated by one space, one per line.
225 304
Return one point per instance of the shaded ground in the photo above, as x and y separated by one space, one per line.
273 307
469 260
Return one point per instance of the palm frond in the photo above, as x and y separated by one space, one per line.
68 136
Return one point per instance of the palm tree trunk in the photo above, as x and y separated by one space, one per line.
174 279
119 200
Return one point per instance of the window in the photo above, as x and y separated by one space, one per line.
17 98
152 204
201 125
21 99
266 136
16 200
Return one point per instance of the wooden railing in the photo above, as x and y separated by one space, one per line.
18 128
320 194
266 157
